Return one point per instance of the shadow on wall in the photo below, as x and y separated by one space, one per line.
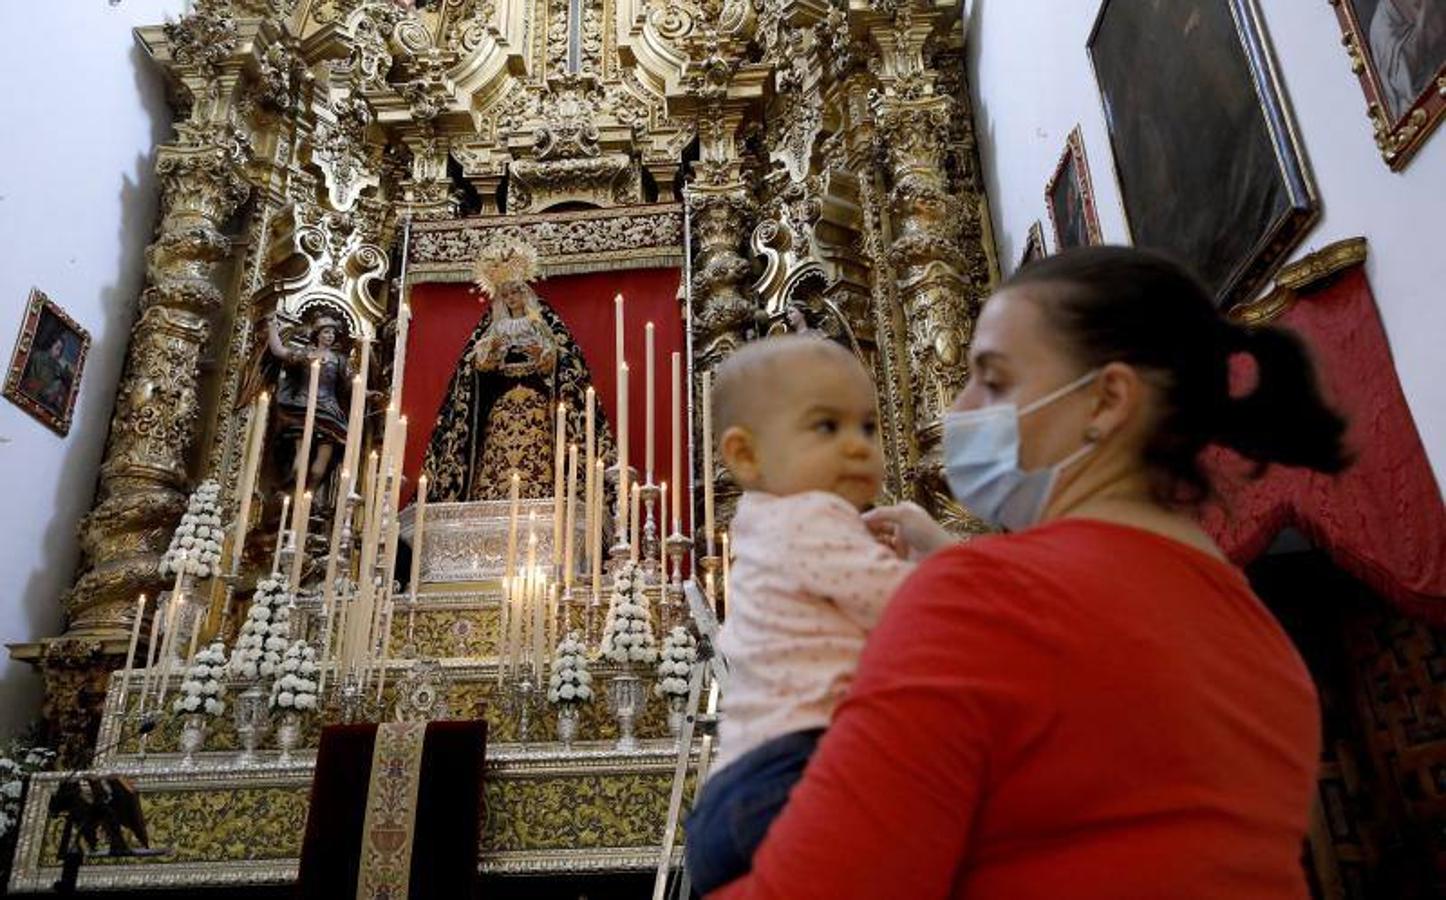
84 448
1004 243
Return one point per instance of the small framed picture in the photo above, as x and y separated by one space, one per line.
1398 50
1071 198
1033 246
44 375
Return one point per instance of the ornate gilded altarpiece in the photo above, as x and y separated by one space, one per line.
798 158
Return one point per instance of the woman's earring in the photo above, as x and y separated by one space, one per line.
1091 434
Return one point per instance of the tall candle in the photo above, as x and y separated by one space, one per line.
153 651
597 537
635 537
570 523
394 503
303 526
417 531
504 628
618 328
333 547
648 403
356 418
514 501
355 421
559 460
195 638
280 534
662 525
399 349
131 650
589 458
255 440
525 583
708 462
539 623
303 450
173 622
623 451
678 481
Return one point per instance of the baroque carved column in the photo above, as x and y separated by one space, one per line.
144 476
913 132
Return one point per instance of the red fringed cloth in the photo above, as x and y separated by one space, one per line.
434 836
1382 520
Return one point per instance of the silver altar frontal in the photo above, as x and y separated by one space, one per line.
464 542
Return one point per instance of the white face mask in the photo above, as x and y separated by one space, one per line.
981 461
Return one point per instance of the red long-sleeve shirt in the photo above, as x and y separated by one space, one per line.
1081 710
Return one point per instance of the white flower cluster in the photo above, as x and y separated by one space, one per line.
680 652
628 633
15 766
571 682
197 541
203 689
266 633
295 688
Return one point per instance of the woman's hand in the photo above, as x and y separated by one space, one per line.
908 530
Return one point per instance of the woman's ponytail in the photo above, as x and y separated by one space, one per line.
1281 418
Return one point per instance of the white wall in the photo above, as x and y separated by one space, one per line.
1032 83
81 111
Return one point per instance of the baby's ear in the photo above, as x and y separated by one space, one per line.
739 453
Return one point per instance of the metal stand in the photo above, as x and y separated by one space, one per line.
620 550
524 699
675 607
648 554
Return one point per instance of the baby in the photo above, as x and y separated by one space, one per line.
797 421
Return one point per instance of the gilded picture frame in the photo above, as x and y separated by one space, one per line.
47 363
1033 246
1397 48
1210 167
1070 198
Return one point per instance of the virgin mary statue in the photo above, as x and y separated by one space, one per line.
498 415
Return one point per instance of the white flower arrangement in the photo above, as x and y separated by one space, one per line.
196 545
266 633
295 686
16 765
203 687
628 632
571 682
680 653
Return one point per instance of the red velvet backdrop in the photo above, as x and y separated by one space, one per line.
1383 520
445 314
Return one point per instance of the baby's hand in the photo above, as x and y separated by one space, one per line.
908 530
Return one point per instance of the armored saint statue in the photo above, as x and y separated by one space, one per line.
280 365
498 414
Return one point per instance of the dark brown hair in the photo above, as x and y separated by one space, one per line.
1119 304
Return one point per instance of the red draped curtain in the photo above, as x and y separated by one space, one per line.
1383 520
444 314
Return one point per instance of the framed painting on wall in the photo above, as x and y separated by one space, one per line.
1209 164
1033 246
1071 198
1398 50
44 375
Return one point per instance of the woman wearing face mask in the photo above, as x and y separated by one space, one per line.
1095 704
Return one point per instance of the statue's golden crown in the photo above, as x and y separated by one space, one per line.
502 261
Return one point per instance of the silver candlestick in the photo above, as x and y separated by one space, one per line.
523 701
648 495
675 610
620 551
